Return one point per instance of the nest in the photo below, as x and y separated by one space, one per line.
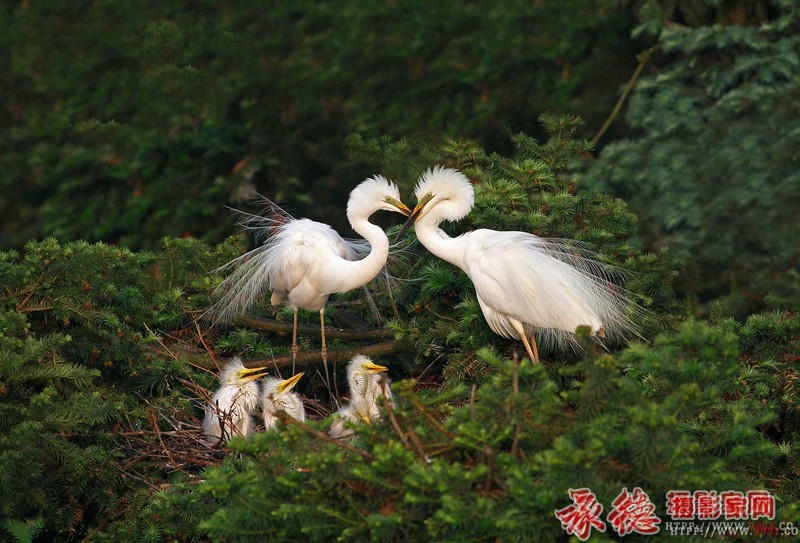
172 440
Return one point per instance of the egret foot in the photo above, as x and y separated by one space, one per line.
530 346
324 352
533 352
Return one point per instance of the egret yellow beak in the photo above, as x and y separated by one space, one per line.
412 218
374 368
401 207
288 384
251 374
365 418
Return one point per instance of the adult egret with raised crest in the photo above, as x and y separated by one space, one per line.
523 283
302 262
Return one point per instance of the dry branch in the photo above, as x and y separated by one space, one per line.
305 357
310 356
642 57
313 330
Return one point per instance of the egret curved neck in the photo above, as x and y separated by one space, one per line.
440 244
359 272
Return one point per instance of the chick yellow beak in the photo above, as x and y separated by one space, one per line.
412 218
401 207
288 384
374 368
364 418
251 374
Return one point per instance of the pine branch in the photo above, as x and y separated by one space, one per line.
306 357
308 329
515 450
439 426
312 356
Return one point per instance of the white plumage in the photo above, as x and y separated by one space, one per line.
277 396
355 413
523 282
229 411
302 261
367 383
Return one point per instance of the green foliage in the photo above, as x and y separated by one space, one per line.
493 464
124 122
711 167
78 370
101 379
48 410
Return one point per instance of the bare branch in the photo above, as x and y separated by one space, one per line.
642 57
395 424
344 354
282 327
304 358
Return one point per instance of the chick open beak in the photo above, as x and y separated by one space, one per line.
251 374
374 368
288 384
401 207
412 218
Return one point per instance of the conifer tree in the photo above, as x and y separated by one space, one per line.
123 122
711 164
80 382
102 371
700 407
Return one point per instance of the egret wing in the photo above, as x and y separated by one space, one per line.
524 277
293 251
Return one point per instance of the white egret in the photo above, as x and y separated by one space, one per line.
367 383
302 261
523 282
228 412
277 396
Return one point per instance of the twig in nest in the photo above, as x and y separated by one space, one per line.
203 341
396 425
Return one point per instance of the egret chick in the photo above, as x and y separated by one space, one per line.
302 261
367 382
355 412
523 282
228 412
277 396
